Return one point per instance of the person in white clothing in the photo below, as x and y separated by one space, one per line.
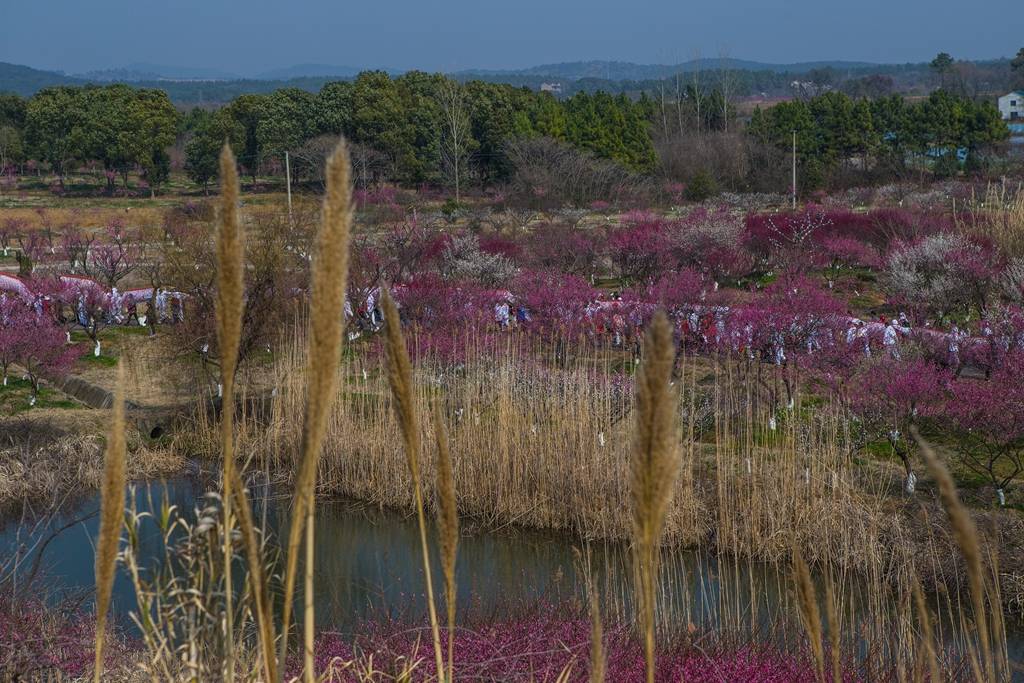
502 314
890 340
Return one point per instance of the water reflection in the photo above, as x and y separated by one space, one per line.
368 565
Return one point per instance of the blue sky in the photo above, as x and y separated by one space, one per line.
248 36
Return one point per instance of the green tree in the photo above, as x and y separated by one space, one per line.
126 127
333 109
53 120
1017 64
942 65
11 149
248 111
423 126
202 151
13 109
288 120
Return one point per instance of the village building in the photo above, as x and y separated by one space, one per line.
1011 106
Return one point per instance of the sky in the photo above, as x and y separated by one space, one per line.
250 36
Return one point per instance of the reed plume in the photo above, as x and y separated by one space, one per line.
447 526
111 517
229 309
966 535
327 300
400 379
810 616
653 469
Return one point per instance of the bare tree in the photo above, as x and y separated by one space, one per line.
698 93
455 131
368 164
726 84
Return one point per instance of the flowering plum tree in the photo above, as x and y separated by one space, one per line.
640 249
787 240
564 248
988 421
888 395
12 313
556 301
944 272
115 256
462 259
42 350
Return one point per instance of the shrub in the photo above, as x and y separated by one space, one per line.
701 187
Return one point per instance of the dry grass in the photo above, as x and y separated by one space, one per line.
57 456
743 490
985 665
997 216
810 616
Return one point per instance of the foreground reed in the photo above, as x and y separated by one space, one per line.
401 381
447 524
111 518
653 468
330 272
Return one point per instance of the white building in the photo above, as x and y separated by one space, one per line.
1011 106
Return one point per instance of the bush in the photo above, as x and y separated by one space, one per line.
701 186
947 165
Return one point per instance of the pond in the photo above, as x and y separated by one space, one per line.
368 565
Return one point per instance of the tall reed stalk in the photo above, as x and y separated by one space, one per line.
229 310
326 322
401 381
966 534
653 470
230 251
111 518
447 526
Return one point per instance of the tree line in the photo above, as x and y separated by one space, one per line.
834 130
422 128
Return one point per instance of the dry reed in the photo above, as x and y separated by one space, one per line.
926 637
653 469
810 616
833 629
447 525
400 378
598 663
111 518
330 273
229 309
966 534
230 252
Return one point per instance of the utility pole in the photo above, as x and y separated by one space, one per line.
794 186
288 178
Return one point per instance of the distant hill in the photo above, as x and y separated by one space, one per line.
307 71
628 71
142 71
26 81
